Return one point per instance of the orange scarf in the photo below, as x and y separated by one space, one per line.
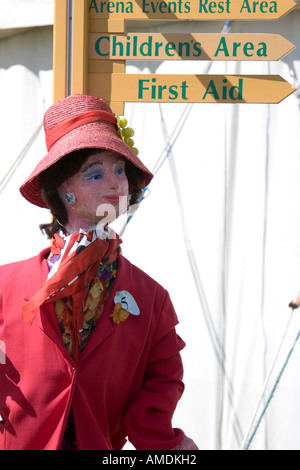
80 255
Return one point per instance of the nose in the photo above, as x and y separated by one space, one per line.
113 181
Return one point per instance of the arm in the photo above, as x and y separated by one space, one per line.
148 420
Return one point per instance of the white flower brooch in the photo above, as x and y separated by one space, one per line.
125 305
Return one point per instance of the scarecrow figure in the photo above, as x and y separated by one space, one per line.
92 354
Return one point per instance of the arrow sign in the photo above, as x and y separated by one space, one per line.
190 9
189 88
188 46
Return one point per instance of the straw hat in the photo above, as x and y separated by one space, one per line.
75 123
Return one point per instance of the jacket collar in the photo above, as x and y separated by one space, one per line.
45 318
37 273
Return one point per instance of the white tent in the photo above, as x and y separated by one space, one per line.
219 228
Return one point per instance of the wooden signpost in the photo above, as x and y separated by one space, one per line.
188 46
152 88
190 9
100 47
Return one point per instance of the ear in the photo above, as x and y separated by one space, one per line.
70 197
64 187
67 197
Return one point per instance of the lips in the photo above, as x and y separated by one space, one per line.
113 198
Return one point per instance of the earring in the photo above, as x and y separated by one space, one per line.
70 198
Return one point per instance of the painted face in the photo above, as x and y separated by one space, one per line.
100 188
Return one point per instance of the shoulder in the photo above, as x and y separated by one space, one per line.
20 268
138 278
146 291
158 318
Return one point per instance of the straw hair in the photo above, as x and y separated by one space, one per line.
75 123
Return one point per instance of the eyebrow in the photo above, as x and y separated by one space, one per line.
99 162
89 165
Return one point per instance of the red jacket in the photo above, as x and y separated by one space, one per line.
127 383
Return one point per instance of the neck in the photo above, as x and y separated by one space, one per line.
80 228
102 231
77 225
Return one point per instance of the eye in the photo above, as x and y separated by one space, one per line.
120 170
95 175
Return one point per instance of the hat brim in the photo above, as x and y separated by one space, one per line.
98 135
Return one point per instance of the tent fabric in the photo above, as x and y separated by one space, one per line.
222 213
29 13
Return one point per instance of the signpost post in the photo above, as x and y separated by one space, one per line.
99 49
60 50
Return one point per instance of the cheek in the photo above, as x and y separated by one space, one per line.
125 186
84 194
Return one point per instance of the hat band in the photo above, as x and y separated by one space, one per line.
62 129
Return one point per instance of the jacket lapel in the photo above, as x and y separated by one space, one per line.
105 326
45 317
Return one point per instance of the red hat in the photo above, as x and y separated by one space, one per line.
75 123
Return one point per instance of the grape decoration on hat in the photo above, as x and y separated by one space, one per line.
126 133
